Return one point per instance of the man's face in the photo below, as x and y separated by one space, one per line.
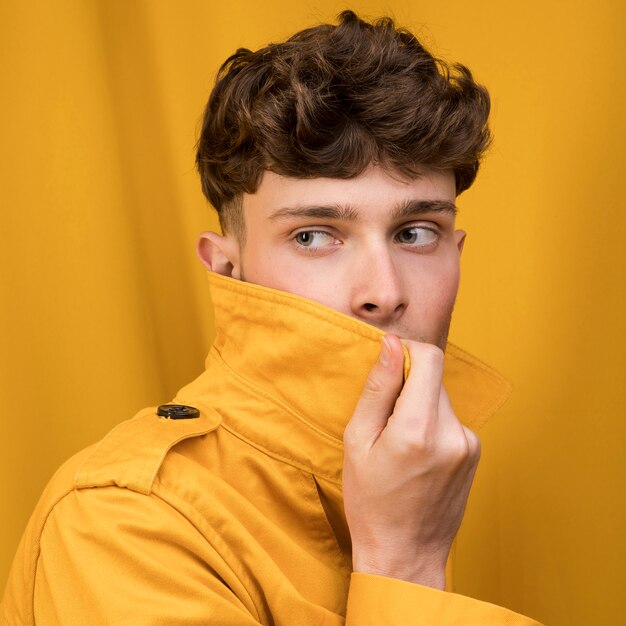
378 247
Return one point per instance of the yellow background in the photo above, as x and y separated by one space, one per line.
104 308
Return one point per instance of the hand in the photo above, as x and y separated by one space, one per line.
408 468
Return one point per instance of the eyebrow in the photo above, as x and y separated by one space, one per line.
335 212
417 207
350 214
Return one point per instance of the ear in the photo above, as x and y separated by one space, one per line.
460 236
220 254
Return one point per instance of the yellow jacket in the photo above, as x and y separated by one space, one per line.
234 517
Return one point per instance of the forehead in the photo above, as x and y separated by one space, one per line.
375 190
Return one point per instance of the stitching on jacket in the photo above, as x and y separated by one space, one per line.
278 404
244 382
150 495
36 557
314 309
280 457
487 408
216 539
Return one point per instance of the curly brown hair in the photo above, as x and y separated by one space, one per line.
329 102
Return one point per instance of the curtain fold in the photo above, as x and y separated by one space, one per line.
104 307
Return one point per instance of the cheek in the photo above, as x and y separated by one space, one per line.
258 264
437 278
433 293
279 269
315 283
446 288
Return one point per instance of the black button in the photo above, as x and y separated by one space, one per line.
178 411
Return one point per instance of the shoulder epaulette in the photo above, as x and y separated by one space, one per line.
132 453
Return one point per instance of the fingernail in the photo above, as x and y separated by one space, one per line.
385 353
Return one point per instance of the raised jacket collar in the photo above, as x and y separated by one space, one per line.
285 373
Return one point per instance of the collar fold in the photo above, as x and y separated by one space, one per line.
294 369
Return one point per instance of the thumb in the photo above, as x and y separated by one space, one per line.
381 390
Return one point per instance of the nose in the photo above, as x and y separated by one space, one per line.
378 296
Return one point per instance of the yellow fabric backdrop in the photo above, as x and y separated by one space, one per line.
104 308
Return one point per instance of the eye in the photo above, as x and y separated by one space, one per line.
417 236
314 239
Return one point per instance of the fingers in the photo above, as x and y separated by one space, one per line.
473 443
408 468
420 398
423 421
414 415
379 396
446 412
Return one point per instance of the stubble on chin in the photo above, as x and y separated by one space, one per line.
440 339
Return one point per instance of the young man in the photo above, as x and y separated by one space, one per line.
316 472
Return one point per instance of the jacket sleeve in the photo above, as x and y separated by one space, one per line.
113 556
375 600
108 555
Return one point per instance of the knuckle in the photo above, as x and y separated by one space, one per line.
374 384
458 450
472 437
448 451
428 351
420 442
473 441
